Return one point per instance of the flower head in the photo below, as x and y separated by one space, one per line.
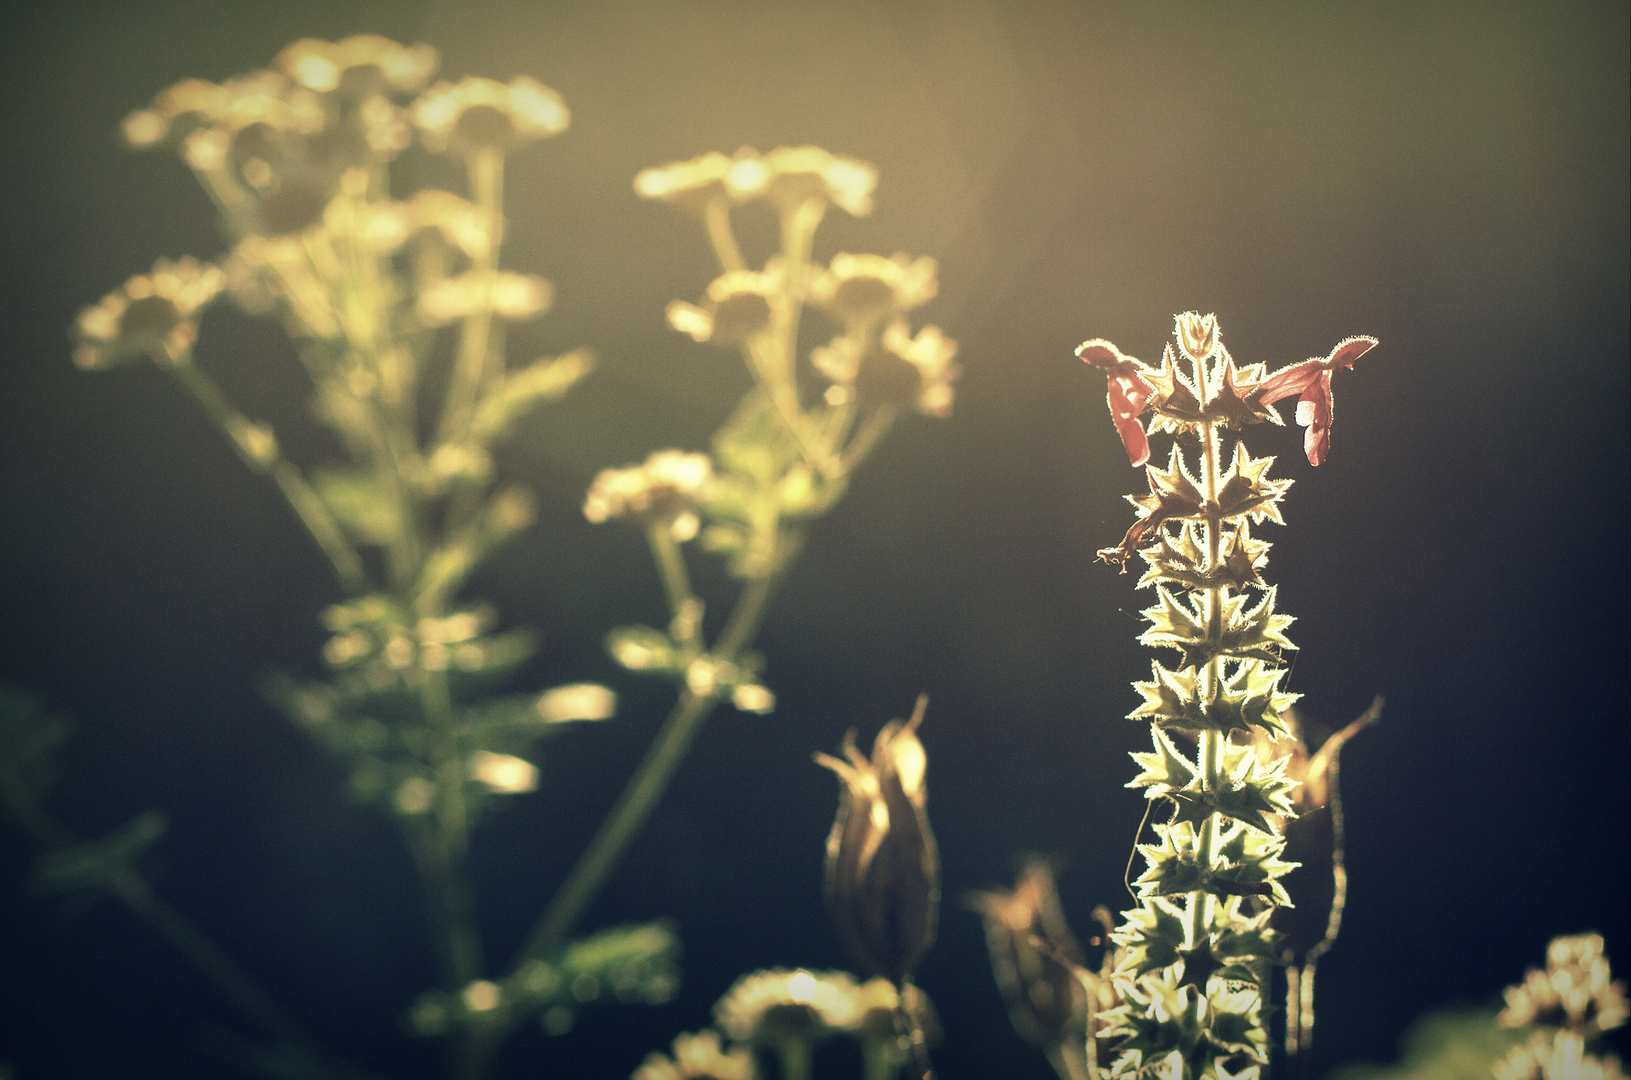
899 370
1035 957
736 308
665 490
694 184
798 173
1575 991
769 1008
153 314
1197 335
357 66
883 869
862 291
263 98
480 114
698 1057
1131 390
509 296
460 222
1311 380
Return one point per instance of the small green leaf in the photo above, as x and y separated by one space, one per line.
545 379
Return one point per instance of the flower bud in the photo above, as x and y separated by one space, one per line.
883 869
1319 885
1035 957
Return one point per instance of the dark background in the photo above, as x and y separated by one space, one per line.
1451 178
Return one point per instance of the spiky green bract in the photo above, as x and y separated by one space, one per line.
1193 951
1175 1031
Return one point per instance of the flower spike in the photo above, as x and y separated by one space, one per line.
1212 902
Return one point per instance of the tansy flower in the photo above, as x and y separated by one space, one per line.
459 221
775 1007
263 97
357 65
1575 991
1131 390
1311 380
694 184
798 173
153 314
509 296
736 308
899 370
480 114
698 1057
665 490
863 290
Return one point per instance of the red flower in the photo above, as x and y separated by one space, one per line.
1311 380
1130 391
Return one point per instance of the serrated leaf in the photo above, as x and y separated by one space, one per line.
1152 935
1245 492
29 738
640 648
100 864
1164 770
358 503
1246 697
1250 792
1249 863
545 379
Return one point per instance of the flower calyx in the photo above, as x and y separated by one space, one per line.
883 867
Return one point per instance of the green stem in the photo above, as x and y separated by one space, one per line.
716 216
487 185
795 1059
1069 1061
449 841
209 959
259 451
645 787
670 566
137 895
639 798
873 428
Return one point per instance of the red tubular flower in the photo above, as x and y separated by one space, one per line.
1130 391
1311 380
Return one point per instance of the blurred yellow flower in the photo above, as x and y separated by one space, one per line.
477 114
509 296
153 314
698 1057
503 773
576 701
863 290
736 308
664 489
358 65
459 221
776 1006
900 370
808 172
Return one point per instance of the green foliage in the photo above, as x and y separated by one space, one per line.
1452 1044
398 305
101 865
29 739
